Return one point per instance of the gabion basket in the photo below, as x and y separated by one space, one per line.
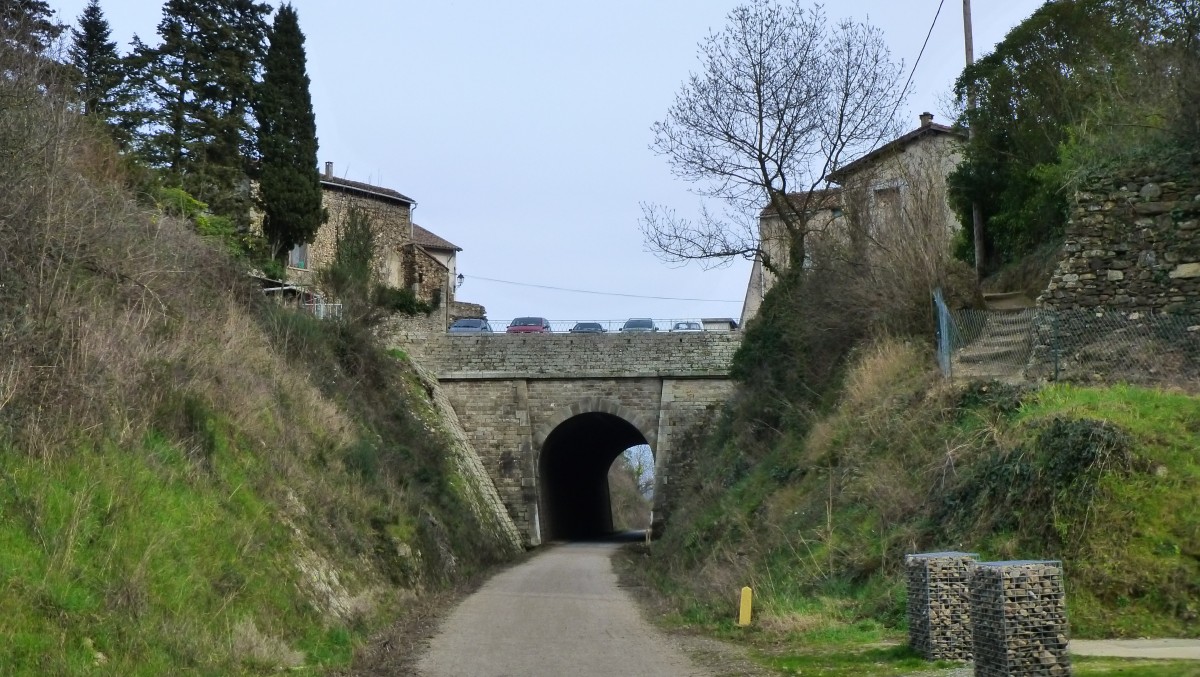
1019 619
939 611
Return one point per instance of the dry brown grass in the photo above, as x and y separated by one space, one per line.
112 312
880 368
257 648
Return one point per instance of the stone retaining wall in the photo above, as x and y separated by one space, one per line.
1132 245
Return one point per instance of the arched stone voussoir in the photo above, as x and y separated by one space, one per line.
587 405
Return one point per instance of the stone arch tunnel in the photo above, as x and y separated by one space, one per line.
548 414
573 468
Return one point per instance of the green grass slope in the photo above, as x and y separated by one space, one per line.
225 540
193 479
818 520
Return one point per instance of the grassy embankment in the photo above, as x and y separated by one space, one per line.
193 480
817 521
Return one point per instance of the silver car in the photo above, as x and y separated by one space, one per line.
471 325
636 324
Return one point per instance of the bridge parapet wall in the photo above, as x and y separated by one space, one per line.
573 356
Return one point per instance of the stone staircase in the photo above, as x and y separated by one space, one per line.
1002 344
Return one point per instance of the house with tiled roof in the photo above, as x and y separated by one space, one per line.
823 208
407 255
899 186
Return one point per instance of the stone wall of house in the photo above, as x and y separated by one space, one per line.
424 326
426 276
461 309
398 263
392 224
1132 245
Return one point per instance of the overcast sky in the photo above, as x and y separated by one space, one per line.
521 128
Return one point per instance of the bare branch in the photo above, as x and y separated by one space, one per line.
781 98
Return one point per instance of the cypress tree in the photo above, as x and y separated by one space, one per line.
95 56
290 187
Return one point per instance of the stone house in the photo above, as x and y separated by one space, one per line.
897 191
823 208
407 255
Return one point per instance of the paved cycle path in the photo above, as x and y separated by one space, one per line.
1137 648
560 613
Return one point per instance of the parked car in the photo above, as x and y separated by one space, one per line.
686 327
529 325
587 328
470 325
635 324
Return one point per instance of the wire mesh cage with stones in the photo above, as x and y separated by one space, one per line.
939 613
1019 619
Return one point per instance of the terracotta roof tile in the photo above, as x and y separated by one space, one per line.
822 198
430 241
366 189
897 144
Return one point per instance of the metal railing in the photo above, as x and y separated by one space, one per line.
324 311
1075 345
614 326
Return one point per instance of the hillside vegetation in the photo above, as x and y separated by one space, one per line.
818 520
191 479
844 449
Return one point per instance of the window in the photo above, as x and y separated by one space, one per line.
298 257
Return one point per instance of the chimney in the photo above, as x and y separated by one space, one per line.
329 170
926 120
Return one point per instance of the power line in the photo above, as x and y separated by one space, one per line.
921 53
597 293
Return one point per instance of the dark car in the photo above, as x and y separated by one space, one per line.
687 327
588 328
635 324
470 325
529 325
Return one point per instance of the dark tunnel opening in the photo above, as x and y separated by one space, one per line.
573 475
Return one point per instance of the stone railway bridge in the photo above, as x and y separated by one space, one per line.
548 414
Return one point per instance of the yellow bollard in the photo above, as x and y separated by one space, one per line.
744 608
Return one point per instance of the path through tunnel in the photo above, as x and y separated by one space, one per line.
573 475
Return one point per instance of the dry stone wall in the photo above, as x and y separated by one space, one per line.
1132 245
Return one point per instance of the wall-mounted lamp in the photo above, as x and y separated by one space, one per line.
461 279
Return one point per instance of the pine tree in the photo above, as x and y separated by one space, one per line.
28 25
194 95
95 56
290 187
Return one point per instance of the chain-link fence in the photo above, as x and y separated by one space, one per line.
1077 345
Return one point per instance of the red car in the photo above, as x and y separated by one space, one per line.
529 325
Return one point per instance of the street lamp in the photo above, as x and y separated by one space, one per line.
461 279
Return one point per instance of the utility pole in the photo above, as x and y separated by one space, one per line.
976 214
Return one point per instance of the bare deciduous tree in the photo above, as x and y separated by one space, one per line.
783 98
